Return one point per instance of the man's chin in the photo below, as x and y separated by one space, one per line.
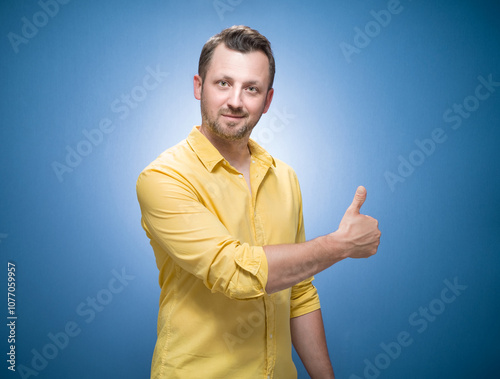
234 136
232 131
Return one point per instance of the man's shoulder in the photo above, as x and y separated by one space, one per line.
175 157
284 168
175 163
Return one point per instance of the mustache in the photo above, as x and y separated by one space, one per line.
233 112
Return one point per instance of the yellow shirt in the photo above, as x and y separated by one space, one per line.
207 231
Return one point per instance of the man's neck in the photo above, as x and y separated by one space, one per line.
235 152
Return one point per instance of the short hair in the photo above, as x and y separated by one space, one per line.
240 38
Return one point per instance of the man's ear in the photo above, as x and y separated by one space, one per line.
197 84
269 98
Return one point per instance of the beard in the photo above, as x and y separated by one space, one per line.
231 131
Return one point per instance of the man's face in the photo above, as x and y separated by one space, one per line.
234 93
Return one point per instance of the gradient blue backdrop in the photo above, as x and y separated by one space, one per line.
339 119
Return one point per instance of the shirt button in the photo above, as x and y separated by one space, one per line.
271 336
253 161
240 176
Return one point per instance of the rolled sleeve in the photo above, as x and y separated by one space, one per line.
253 262
304 298
195 239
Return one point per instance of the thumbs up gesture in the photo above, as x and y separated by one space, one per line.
358 233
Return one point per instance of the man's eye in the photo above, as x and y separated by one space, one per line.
253 89
223 83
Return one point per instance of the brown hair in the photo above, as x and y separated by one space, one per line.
240 38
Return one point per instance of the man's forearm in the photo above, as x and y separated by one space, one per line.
292 263
308 337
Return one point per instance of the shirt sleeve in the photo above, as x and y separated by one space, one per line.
196 240
304 297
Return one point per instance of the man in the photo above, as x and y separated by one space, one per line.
225 222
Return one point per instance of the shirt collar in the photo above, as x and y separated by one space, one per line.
210 156
259 153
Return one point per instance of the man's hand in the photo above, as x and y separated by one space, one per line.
359 234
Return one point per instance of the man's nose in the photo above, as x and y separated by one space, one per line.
234 100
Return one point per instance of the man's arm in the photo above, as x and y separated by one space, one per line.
358 236
308 338
181 228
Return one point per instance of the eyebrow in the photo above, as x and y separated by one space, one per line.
249 82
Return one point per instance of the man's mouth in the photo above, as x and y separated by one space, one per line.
233 116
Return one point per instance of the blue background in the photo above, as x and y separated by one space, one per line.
339 119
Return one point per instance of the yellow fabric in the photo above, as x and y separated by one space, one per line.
207 231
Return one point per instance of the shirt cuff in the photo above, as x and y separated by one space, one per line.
252 260
304 299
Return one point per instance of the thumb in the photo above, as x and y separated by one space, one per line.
359 199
